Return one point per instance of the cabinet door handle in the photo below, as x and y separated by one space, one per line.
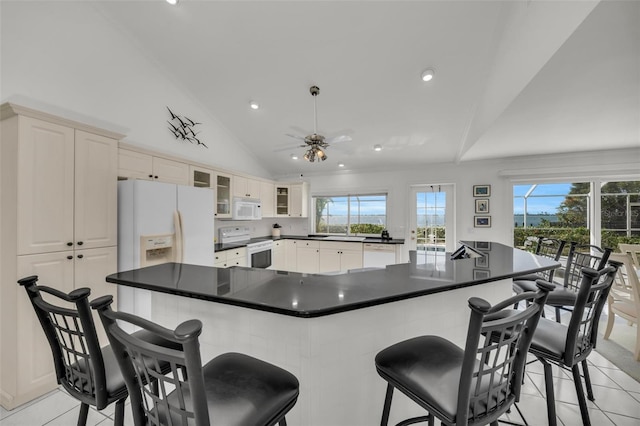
69 243
155 177
80 256
80 243
69 257
151 176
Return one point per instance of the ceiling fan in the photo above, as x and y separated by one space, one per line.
316 143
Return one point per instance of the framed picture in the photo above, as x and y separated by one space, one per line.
482 221
483 245
482 206
481 274
482 191
482 261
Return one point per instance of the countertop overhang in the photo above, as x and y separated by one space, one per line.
315 295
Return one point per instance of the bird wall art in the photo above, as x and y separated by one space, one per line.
183 128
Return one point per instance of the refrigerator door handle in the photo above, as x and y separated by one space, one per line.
177 222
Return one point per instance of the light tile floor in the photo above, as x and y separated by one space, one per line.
617 401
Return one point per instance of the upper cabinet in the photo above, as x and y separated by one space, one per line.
223 195
246 187
267 200
137 165
292 200
66 188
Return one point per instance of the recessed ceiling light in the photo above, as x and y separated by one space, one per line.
172 2
294 157
340 164
377 147
254 105
427 75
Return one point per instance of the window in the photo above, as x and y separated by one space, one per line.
362 214
568 211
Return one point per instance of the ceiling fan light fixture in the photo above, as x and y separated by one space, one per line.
427 75
254 105
377 147
321 155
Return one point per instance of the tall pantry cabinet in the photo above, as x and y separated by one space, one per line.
58 220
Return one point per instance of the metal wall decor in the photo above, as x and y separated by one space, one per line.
183 128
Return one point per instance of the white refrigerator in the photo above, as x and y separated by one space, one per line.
161 222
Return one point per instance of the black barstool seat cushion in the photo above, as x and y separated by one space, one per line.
242 390
562 297
559 296
549 340
427 369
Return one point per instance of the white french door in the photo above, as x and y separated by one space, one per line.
432 219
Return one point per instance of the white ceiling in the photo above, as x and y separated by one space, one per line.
512 78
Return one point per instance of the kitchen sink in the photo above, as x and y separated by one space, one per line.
339 238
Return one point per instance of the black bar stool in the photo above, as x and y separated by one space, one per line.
568 346
471 386
231 389
89 373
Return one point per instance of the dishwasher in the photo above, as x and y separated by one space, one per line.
378 255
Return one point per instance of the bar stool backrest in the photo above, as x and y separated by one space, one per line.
592 295
149 384
583 256
551 248
71 334
498 340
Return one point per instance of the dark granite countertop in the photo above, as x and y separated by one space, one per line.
315 295
224 247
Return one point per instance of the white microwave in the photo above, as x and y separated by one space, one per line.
246 209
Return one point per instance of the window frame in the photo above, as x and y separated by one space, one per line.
349 202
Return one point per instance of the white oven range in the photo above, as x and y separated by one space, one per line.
259 252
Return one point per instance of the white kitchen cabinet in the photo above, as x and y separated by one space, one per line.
338 256
308 256
59 221
245 187
282 200
137 165
299 199
278 255
45 185
96 191
223 195
233 257
267 199
201 177
290 252
170 171
292 200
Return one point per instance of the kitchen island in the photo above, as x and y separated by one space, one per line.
327 329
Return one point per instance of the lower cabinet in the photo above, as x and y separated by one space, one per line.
279 256
32 368
233 257
339 256
308 256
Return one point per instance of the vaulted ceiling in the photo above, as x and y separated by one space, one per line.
511 78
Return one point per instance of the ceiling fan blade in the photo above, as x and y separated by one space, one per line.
295 136
291 148
338 139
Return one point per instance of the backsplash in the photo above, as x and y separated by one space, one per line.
262 228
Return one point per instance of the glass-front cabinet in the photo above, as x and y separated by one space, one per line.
223 195
282 200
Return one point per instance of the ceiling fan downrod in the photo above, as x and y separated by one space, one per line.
315 91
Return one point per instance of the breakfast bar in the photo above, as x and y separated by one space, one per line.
327 329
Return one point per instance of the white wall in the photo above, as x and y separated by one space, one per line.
66 59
